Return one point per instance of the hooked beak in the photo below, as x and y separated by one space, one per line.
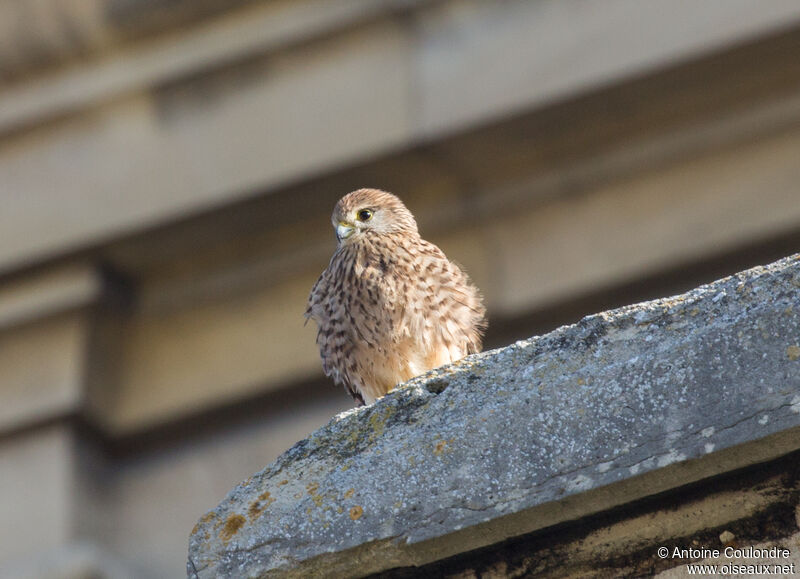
344 230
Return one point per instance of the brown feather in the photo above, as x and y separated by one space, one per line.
390 305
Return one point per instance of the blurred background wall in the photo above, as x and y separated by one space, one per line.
167 172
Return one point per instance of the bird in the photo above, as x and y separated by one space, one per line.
390 305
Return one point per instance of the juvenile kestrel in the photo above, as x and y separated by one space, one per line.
390 305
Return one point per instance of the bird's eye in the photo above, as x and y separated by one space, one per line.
364 215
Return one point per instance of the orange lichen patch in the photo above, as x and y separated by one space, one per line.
203 520
441 446
255 510
349 493
793 352
260 505
283 482
312 489
356 512
232 526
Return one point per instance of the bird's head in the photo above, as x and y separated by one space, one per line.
370 211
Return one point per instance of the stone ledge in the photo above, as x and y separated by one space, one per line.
148 110
620 406
247 29
62 288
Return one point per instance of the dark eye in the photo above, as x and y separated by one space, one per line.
364 215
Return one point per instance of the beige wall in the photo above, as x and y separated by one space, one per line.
167 175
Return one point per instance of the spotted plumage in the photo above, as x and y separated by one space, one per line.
390 305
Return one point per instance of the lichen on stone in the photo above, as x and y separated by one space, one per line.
645 390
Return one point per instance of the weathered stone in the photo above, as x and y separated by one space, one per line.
622 405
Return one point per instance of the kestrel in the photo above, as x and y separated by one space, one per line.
390 305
